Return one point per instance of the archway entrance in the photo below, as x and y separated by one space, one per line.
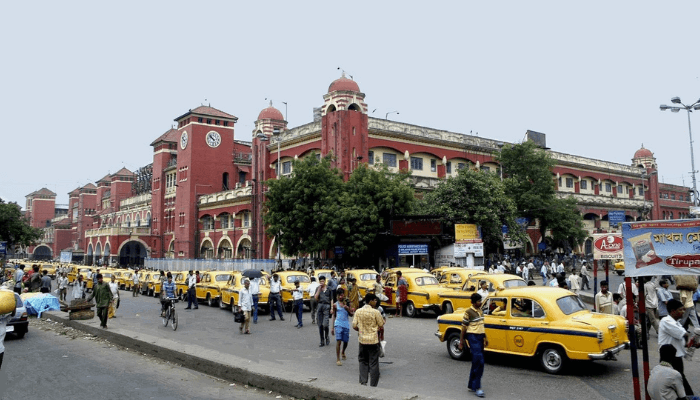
225 250
132 254
42 253
244 249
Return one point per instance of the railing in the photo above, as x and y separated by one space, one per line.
115 230
172 264
132 201
243 158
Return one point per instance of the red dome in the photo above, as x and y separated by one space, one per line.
271 113
343 83
643 153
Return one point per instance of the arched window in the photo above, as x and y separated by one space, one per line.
224 182
128 221
330 108
354 107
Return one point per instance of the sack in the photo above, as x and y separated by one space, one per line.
382 345
382 297
239 317
686 282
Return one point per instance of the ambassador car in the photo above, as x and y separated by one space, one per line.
451 300
210 286
229 294
423 290
549 323
454 278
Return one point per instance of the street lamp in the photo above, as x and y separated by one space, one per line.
386 116
689 109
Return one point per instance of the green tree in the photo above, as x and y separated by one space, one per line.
370 197
304 206
14 228
475 197
528 179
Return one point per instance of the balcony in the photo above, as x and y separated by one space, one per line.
131 202
243 158
123 231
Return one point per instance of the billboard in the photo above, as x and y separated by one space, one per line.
467 232
661 247
66 256
462 249
608 246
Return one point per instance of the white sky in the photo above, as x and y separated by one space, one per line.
86 86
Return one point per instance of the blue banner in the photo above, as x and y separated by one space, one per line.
615 217
409 249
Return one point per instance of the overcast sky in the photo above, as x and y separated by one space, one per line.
86 86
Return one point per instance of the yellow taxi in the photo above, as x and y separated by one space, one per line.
145 281
210 286
125 278
287 279
229 294
441 269
423 290
180 278
456 298
549 323
365 279
454 278
83 270
50 270
323 272
620 268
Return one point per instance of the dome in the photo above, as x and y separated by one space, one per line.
343 83
643 153
271 113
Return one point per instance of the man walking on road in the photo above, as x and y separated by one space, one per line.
245 303
255 294
584 276
651 305
45 282
275 299
62 287
191 291
672 332
473 326
366 322
103 296
323 296
312 299
135 287
19 273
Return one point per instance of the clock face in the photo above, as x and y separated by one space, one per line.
213 139
183 140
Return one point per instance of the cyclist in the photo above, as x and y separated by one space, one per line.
169 290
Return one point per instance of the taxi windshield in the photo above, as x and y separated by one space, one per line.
222 278
570 304
368 277
300 278
514 283
426 281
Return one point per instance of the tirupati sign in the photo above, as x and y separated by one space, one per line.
662 247
607 247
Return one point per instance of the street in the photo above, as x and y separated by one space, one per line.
416 361
54 362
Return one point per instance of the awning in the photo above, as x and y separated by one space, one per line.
244 168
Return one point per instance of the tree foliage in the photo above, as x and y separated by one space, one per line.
528 180
475 197
14 228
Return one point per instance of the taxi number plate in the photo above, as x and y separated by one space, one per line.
10 329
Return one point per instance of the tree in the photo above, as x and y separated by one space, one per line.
527 172
304 206
370 197
14 228
475 197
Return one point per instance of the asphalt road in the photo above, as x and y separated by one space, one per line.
55 363
416 361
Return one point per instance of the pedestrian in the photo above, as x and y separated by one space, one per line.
651 304
584 276
135 286
526 272
401 293
275 297
473 329
378 288
353 293
686 297
341 311
255 294
34 280
323 297
19 274
114 288
617 299
664 381
94 278
622 289
245 303
366 322
543 273
45 282
298 299
78 291
603 299
333 284
103 296
312 299
483 290
663 295
671 332
62 286
575 282
168 291
192 291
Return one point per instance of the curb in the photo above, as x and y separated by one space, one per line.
236 369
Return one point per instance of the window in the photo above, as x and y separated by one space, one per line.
570 304
241 177
389 159
570 183
199 119
619 189
246 219
559 182
525 308
433 165
225 123
641 191
224 181
673 196
461 166
224 221
495 306
608 187
484 168
416 163
207 222
286 167
448 167
584 185
371 157
208 120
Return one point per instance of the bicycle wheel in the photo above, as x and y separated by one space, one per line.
166 317
174 316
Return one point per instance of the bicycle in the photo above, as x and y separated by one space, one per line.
170 314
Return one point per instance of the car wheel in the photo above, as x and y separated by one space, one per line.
20 335
411 310
222 305
552 359
453 347
620 272
448 308
210 301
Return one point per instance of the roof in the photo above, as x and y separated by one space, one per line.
89 186
271 113
643 153
123 172
207 110
105 179
170 135
42 192
343 83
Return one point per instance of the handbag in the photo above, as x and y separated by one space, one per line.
239 317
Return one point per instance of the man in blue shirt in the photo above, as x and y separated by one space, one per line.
169 290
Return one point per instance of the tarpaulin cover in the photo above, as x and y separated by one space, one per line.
37 303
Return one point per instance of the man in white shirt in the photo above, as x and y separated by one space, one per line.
483 290
191 291
255 294
543 273
672 332
651 304
135 287
19 273
501 268
275 299
245 303
62 287
312 300
584 276
526 272
519 271
560 268
622 289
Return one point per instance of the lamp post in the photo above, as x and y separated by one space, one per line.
386 116
689 109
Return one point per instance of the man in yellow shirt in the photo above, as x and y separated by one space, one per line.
366 322
473 326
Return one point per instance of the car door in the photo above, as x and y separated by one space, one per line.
527 323
202 286
496 322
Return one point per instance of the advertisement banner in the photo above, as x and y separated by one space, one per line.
662 247
608 246
66 256
462 249
466 232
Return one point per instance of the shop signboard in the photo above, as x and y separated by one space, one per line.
607 246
